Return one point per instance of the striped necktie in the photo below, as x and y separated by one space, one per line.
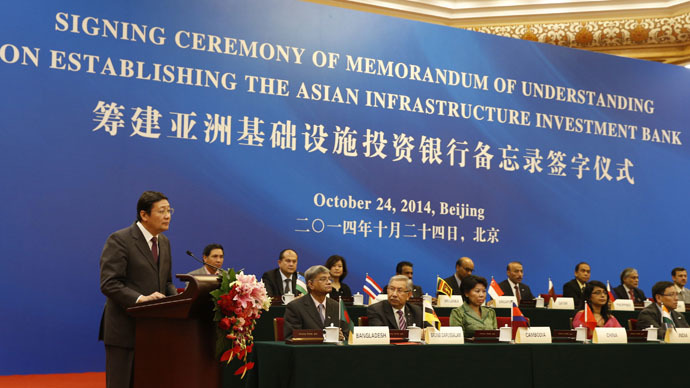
402 325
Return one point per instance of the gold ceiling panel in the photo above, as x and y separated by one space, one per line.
660 39
651 30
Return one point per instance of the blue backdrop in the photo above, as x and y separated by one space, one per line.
204 101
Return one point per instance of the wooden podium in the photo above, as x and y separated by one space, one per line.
176 338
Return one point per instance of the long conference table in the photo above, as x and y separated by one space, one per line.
469 365
556 319
480 365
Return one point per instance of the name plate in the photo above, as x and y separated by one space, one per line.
505 301
562 303
679 336
306 336
449 301
379 298
623 305
566 335
539 302
447 335
369 335
397 335
609 335
534 335
681 306
637 336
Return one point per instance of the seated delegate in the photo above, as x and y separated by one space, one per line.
338 267
597 297
472 316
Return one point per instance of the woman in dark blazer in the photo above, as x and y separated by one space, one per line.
338 267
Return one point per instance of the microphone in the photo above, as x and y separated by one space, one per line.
202 262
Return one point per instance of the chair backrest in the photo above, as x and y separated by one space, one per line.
571 323
502 321
278 333
547 298
632 324
445 321
363 321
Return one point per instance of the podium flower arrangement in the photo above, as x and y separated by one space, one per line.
237 305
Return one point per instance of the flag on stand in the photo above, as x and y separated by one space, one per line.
442 287
430 316
494 290
371 288
552 291
590 321
345 317
608 289
301 284
666 318
516 315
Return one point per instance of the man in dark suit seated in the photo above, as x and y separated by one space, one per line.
666 295
405 268
283 279
315 310
135 267
574 288
513 285
628 287
395 312
463 268
213 257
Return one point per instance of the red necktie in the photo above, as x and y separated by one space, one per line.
517 294
154 249
632 295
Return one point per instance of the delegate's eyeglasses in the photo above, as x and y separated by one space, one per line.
165 211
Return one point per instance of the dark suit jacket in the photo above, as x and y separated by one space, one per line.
128 271
525 292
572 290
416 291
453 284
651 316
381 314
301 313
620 293
274 283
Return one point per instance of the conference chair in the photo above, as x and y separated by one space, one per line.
445 321
632 324
363 321
547 298
503 321
278 333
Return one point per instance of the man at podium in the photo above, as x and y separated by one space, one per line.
135 267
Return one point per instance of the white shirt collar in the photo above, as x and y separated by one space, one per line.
627 290
283 277
317 303
512 285
147 235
